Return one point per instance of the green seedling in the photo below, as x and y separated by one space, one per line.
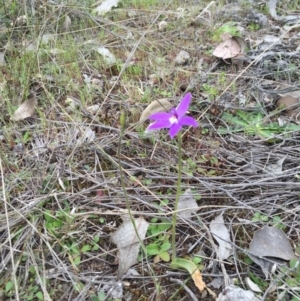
159 249
159 240
189 166
254 26
61 219
254 124
211 91
210 164
276 220
229 28
258 217
157 227
32 292
162 205
162 92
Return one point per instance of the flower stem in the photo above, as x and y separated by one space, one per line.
174 218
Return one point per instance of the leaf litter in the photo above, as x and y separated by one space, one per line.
128 243
222 236
26 109
187 205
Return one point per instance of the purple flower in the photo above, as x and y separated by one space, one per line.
175 119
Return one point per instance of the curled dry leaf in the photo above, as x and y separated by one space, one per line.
128 243
160 105
229 48
25 110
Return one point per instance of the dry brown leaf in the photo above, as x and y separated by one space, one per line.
25 110
228 49
197 277
160 105
289 103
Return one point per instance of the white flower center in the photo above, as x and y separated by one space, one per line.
173 120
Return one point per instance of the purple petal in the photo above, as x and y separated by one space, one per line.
158 125
183 105
187 120
160 116
174 130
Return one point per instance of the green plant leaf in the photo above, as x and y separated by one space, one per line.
77 260
48 216
86 248
152 249
158 228
197 260
165 256
294 263
39 295
165 246
8 286
192 269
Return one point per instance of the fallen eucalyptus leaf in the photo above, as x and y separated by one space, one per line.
26 109
128 243
222 236
271 242
188 203
160 105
